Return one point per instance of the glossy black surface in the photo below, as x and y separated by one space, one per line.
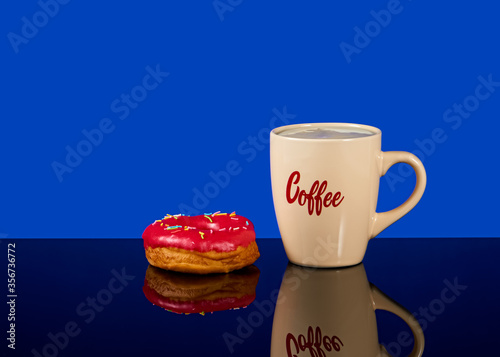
93 289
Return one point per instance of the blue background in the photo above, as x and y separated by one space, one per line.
234 66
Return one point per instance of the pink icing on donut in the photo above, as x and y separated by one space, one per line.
221 232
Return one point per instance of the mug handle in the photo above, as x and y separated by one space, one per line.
383 302
382 220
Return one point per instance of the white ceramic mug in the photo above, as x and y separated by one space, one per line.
325 190
331 312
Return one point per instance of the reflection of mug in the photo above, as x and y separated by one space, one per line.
325 180
189 293
323 312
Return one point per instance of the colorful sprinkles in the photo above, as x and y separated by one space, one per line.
209 216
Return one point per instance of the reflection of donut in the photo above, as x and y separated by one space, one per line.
211 243
188 293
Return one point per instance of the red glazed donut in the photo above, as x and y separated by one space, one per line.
210 243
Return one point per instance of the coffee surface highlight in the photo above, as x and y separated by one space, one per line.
325 133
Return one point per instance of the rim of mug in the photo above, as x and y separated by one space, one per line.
374 130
